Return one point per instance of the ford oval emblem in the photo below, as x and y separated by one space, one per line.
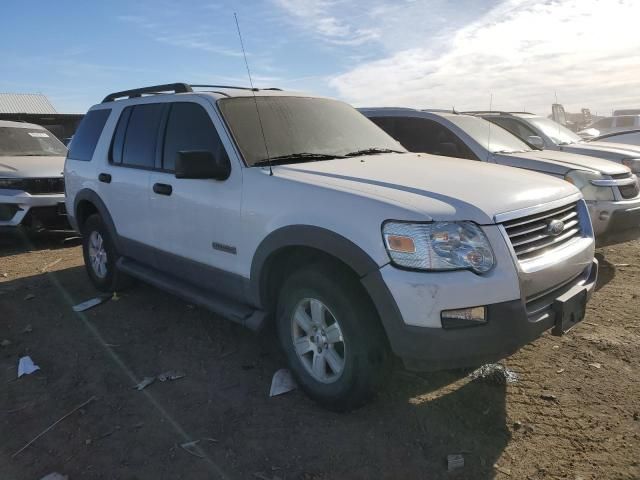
555 227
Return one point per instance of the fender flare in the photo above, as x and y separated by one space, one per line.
305 236
86 194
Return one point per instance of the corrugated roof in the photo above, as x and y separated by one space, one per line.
25 103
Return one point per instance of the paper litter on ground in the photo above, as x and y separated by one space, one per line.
282 382
26 366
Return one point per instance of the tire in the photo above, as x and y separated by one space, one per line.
97 242
329 296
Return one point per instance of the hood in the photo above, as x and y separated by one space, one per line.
608 151
31 167
627 148
559 163
438 188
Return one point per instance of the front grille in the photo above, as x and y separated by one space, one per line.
629 191
41 186
530 237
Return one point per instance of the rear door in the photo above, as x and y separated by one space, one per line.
132 157
196 232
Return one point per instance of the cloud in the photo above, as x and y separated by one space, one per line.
521 51
321 18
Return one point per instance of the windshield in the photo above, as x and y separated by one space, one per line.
16 142
490 136
559 134
301 129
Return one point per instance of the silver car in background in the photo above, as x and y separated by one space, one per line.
610 189
542 132
31 177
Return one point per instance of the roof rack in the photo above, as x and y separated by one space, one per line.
138 92
497 112
170 88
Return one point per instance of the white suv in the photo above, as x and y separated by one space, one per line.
263 206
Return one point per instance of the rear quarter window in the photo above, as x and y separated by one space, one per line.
86 137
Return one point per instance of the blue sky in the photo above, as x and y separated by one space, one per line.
417 53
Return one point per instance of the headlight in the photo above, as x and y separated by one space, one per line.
632 163
582 180
438 246
11 183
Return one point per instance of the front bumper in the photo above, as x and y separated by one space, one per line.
510 325
616 221
21 208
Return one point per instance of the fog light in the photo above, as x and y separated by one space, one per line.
464 317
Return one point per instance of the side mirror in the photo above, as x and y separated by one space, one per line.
199 164
448 149
536 141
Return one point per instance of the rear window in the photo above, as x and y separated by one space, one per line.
29 142
86 137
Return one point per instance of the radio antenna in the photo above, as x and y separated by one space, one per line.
253 91
489 136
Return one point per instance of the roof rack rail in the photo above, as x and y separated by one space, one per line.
497 112
171 88
138 92
232 87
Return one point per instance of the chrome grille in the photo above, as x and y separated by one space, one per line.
530 237
43 186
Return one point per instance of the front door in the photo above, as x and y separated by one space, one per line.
196 221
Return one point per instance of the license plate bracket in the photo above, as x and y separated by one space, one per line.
570 309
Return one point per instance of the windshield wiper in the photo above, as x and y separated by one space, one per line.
296 158
371 151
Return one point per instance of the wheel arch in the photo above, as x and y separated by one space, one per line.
88 202
296 245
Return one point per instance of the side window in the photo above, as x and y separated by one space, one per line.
514 126
624 121
385 123
189 128
86 137
422 135
134 142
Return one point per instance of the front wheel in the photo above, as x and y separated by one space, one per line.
332 337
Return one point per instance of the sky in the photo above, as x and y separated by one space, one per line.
467 54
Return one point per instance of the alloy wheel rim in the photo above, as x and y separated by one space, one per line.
97 255
318 340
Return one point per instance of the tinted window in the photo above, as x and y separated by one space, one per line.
625 121
118 137
517 128
189 128
86 137
422 135
139 149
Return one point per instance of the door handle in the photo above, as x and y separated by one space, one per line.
162 189
104 178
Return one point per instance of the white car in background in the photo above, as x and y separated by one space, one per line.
619 123
31 177
629 139
542 132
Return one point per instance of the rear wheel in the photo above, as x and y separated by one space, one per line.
332 337
100 256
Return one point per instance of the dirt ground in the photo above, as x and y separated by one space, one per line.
573 414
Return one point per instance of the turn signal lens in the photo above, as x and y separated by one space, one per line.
401 244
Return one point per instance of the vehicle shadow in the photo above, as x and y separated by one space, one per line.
406 432
20 240
606 271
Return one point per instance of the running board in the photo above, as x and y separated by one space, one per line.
234 311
